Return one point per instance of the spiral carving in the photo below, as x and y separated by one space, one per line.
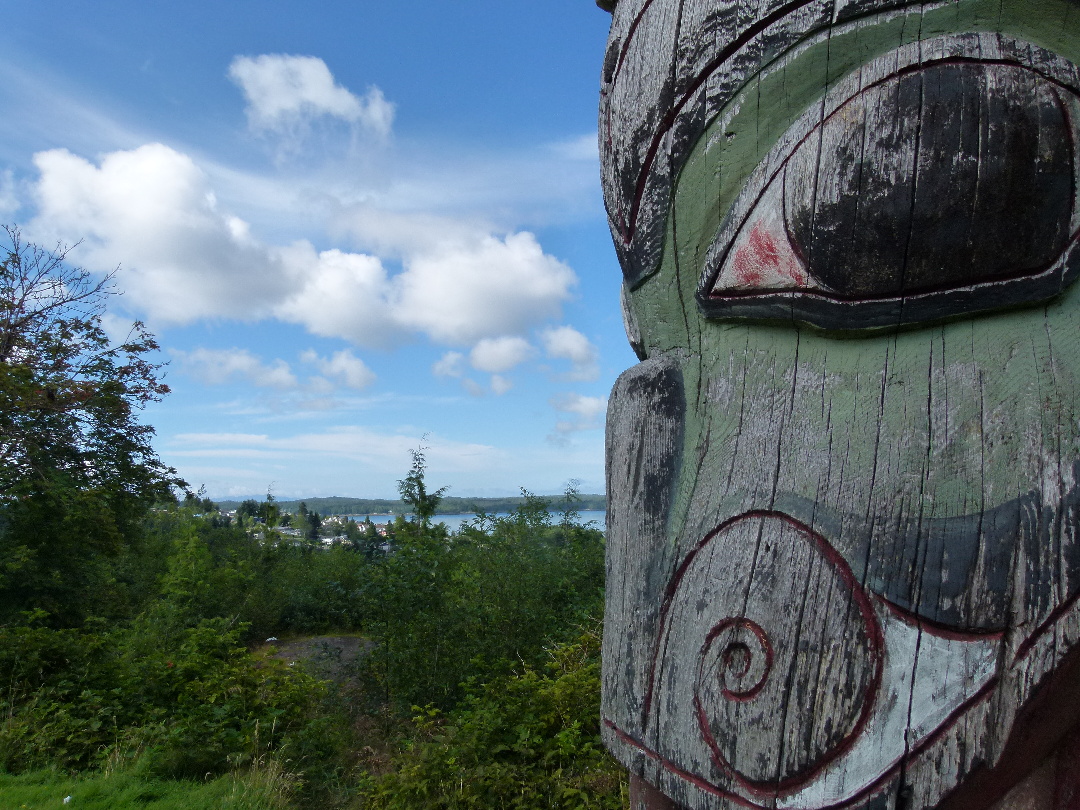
737 659
771 654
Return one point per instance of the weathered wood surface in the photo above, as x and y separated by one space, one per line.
844 483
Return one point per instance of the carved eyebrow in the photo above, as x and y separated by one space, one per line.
684 102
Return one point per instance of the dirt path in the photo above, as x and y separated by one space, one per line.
331 657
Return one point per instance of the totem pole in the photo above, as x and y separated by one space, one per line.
844 480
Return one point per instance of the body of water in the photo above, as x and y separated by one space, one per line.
453 522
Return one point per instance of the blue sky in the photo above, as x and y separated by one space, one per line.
350 229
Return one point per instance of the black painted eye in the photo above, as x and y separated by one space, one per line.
943 190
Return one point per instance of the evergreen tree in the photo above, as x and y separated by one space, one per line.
414 492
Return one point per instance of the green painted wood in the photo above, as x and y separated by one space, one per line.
844 563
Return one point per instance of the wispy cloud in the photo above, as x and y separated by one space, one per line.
354 460
343 367
9 201
386 451
220 366
451 364
586 413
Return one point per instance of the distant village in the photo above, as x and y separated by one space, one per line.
332 530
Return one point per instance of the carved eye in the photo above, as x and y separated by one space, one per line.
943 190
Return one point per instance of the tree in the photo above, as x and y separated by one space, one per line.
269 512
247 509
308 522
68 398
77 469
414 492
311 531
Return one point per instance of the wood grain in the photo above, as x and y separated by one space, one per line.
844 481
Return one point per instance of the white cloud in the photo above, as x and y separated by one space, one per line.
117 329
457 293
343 295
451 364
473 387
584 147
151 212
587 412
284 92
490 287
220 366
500 385
408 233
343 366
566 343
496 355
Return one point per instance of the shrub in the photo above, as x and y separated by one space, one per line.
525 740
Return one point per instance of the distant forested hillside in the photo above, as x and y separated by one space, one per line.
447 506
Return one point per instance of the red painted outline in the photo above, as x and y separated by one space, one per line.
870 625
716 790
866 793
766 646
1055 614
671 767
785 788
937 628
630 32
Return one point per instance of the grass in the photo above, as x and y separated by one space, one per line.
265 788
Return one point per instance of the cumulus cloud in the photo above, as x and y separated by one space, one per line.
567 343
497 355
500 385
342 366
341 295
220 366
489 287
151 212
451 364
586 412
284 92
458 294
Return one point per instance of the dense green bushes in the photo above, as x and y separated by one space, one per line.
193 704
445 609
158 678
524 739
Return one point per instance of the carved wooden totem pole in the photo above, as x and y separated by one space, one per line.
844 481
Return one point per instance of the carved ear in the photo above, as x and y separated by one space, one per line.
607 5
